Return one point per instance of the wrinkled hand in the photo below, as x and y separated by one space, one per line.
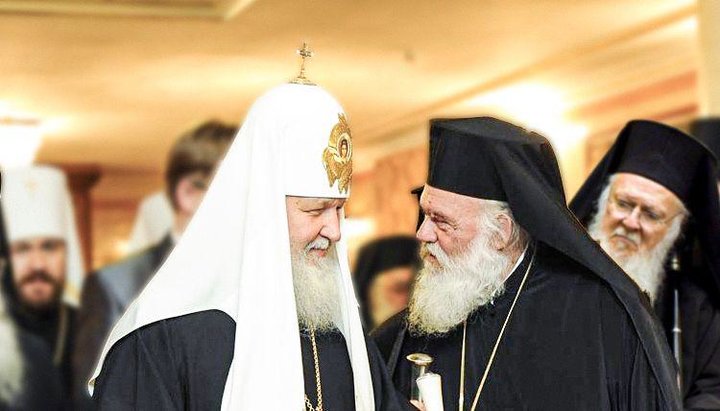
418 404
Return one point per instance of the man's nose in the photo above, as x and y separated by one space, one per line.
632 220
38 260
331 227
426 232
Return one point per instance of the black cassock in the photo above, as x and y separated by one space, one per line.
46 330
41 387
686 168
183 362
54 330
569 345
700 323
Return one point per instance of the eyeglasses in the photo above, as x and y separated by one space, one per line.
624 208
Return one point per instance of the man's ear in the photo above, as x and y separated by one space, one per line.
506 228
183 188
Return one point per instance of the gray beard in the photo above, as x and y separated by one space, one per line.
646 268
444 296
11 364
317 291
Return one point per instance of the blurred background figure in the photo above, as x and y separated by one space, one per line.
707 130
11 378
29 380
41 289
652 205
153 222
107 293
383 272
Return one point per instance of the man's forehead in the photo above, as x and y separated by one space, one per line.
320 201
643 188
439 200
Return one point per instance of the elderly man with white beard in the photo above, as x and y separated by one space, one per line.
652 204
254 309
516 305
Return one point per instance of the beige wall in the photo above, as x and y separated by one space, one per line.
115 202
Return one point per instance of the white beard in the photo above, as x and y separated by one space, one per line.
444 296
646 268
317 292
11 363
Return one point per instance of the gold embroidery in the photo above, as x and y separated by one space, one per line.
337 157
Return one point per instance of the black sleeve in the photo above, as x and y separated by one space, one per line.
140 373
94 323
631 382
704 390
177 364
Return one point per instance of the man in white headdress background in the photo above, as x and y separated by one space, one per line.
42 287
108 292
29 380
255 309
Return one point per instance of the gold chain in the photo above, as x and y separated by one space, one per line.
318 386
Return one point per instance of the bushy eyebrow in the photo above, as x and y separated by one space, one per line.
436 215
321 202
653 208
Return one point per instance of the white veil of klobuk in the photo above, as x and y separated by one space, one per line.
235 254
37 203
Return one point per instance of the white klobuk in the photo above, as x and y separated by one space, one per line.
37 203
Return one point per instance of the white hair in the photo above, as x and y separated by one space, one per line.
443 296
11 364
316 284
646 268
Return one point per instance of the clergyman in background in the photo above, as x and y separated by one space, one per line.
384 271
652 204
42 288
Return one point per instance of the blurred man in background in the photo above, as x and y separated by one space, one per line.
29 380
384 270
651 203
42 288
107 293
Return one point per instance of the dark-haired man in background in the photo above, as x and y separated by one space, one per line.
107 293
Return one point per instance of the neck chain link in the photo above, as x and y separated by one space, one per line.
318 386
